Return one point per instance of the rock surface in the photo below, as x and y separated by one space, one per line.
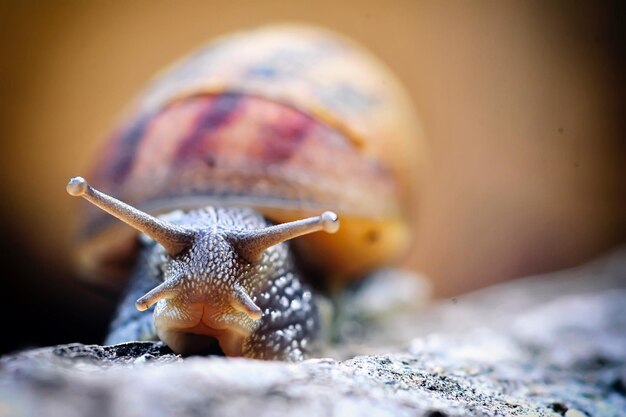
553 345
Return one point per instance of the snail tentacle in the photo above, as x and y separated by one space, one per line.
242 302
251 244
174 239
168 289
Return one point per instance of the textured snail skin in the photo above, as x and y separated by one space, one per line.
199 315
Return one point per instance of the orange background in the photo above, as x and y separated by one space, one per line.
521 104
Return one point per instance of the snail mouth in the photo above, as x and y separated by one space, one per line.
199 327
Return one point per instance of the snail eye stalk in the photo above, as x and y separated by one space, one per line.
173 238
250 244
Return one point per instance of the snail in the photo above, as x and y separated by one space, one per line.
264 135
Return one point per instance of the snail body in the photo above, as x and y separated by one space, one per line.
228 154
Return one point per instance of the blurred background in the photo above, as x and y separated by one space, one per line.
522 106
